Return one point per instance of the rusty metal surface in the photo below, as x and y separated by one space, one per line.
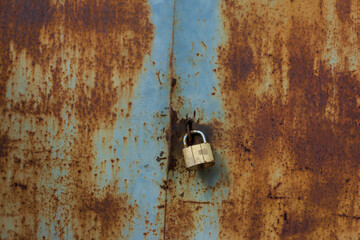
78 118
85 106
280 102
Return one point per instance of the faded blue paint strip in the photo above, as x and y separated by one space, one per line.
150 106
196 40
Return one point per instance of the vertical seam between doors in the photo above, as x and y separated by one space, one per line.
171 67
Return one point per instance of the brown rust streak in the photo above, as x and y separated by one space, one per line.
108 37
79 62
180 221
4 146
343 9
102 213
21 22
294 120
128 39
23 192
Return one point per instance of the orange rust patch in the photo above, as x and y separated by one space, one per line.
343 10
4 145
294 140
102 215
21 22
104 42
180 221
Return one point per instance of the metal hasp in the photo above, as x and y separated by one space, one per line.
199 155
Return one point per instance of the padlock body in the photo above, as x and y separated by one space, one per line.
198 156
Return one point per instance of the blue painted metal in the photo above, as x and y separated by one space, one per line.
194 198
150 106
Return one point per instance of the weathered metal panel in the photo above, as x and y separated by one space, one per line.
84 108
283 120
273 84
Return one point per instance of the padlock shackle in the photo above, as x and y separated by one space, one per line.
194 132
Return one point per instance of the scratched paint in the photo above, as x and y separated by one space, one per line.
70 92
288 86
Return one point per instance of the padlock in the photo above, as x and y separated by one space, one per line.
199 155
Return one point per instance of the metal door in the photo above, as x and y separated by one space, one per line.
95 96
275 86
84 108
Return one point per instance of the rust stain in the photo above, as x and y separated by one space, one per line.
4 145
180 221
158 77
343 10
103 214
109 42
204 45
21 23
23 192
68 68
293 116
